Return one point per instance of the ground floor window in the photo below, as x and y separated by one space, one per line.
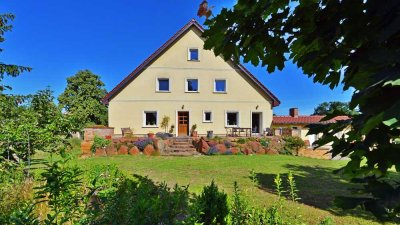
207 117
150 118
232 118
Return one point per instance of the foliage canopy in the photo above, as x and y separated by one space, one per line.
355 43
82 99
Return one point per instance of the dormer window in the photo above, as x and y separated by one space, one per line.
193 54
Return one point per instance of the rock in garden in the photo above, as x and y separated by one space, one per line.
101 152
148 150
134 151
123 150
221 148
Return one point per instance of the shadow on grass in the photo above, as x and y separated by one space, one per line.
317 187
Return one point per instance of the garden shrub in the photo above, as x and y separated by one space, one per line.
227 144
141 201
213 151
163 135
292 144
99 142
241 141
211 206
228 152
264 142
142 143
75 143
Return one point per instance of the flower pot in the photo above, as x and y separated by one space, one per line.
194 134
150 135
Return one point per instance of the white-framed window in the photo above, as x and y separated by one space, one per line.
150 118
193 54
220 85
232 119
162 85
207 116
192 85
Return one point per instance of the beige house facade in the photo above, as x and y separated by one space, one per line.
191 86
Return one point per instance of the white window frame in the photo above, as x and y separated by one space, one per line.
198 54
215 85
186 84
237 118
204 116
158 84
144 118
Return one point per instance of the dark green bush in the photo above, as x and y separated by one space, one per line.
211 206
141 201
99 142
292 144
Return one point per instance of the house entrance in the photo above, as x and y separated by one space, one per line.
256 123
183 123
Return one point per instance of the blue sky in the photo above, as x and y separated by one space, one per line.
111 38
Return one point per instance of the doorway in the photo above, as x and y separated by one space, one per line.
183 123
256 123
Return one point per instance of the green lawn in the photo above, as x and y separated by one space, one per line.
316 183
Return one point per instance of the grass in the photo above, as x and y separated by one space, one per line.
315 180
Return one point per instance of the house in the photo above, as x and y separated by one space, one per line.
191 86
295 125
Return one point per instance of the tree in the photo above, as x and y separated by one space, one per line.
8 69
81 99
326 108
356 43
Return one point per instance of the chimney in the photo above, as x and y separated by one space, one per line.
294 112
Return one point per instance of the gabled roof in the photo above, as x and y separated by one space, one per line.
305 119
162 49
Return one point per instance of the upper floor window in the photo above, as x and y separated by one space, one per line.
163 84
193 54
220 86
192 85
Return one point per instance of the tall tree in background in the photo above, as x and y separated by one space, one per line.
326 108
356 43
81 99
8 69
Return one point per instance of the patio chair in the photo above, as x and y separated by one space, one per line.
126 131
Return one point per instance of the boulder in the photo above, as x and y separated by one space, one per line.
101 152
202 146
234 151
86 147
260 152
123 150
111 150
221 148
134 151
271 151
148 150
254 146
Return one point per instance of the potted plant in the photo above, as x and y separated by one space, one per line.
171 130
150 134
193 131
165 123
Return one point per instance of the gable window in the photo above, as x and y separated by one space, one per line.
192 85
150 119
207 117
193 54
163 84
220 86
232 119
